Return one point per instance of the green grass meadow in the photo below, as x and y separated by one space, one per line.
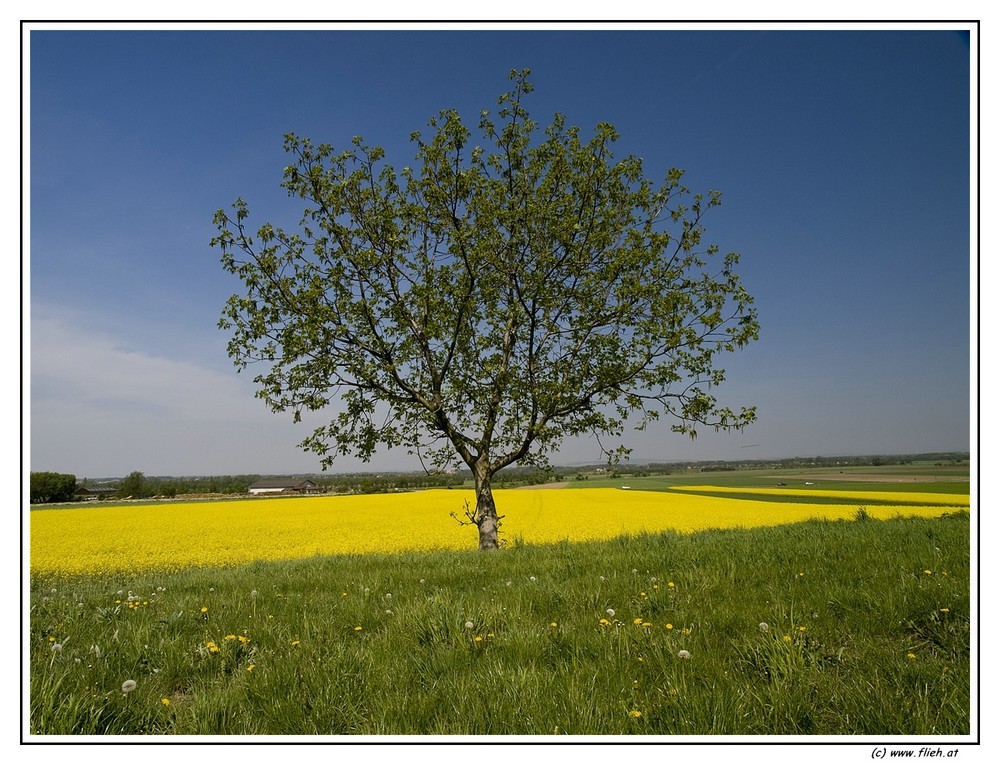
842 628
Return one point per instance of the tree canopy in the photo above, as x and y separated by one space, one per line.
492 299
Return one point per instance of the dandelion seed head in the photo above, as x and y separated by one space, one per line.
763 627
469 625
128 686
682 654
56 647
610 612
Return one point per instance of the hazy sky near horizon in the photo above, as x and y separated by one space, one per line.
843 158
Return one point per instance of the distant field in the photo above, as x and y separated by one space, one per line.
175 536
915 477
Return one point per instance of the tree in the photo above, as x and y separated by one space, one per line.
484 305
51 487
134 485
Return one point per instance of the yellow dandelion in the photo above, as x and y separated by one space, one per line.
637 621
670 584
635 713
787 638
165 702
204 609
295 642
945 610
553 624
927 571
358 628
230 637
478 638
670 626
647 625
605 623
911 656
250 667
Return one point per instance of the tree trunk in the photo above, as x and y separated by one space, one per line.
486 512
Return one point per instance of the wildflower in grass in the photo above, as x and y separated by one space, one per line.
637 621
165 702
212 647
635 713
253 593
478 638
802 629
469 625
670 585
128 686
670 626
610 612
787 638
531 578
295 642
553 624
243 639
230 637
928 571
945 610
604 623
911 656
686 631
682 654
52 638
358 628
56 647
250 667
763 627
647 625
204 609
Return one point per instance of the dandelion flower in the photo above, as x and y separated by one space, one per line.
204 609
165 702
647 625
478 638
635 713
295 642
911 656
553 624
670 626
128 686
358 628
927 571
637 621
469 625
250 667
670 584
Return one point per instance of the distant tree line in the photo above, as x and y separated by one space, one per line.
46 487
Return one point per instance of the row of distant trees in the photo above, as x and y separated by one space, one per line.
49 487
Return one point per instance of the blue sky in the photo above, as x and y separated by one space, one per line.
843 157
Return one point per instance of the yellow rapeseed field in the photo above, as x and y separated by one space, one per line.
172 536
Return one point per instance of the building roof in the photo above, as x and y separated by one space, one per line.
282 483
